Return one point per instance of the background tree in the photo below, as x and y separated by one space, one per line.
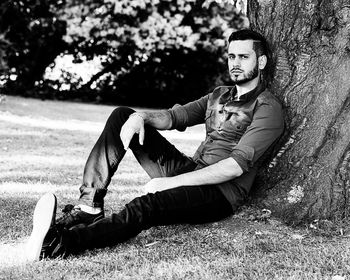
30 38
309 178
146 53
152 53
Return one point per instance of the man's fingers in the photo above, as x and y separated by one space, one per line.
125 136
141 135
130 127
126 144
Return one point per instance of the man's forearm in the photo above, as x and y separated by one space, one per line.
219 172
158 119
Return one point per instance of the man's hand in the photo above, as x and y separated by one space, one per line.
135 124
160 184
222 171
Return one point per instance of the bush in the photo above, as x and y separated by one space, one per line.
153 52
30 38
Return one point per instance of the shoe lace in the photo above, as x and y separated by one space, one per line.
68 210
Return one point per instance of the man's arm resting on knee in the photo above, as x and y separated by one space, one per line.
216 173
158 119
136 124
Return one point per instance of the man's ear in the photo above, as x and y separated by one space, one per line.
262 61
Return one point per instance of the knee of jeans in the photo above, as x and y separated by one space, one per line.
121 114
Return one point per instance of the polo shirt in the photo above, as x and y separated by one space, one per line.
243 128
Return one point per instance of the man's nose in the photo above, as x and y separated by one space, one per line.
236 62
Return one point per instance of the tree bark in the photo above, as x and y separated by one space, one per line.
310 39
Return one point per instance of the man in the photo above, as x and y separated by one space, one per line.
242 124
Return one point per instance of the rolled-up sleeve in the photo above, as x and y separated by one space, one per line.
189 114
266 127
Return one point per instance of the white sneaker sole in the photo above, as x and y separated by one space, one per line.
44 212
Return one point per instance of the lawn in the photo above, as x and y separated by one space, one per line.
43 147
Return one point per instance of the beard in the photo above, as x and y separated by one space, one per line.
246 77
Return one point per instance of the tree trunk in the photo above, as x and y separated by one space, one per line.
309 178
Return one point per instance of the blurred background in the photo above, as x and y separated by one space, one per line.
151 53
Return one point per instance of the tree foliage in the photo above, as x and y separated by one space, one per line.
30 38
153 52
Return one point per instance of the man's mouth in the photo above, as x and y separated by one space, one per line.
236 71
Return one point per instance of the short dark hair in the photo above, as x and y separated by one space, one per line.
260 46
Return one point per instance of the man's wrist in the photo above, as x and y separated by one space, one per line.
139 115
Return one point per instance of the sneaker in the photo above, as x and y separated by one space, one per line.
73 215
43 218
45 240
53 246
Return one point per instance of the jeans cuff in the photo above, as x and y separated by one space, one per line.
92 197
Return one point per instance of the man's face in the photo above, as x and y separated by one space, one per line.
242 61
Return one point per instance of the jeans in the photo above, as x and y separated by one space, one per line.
159 158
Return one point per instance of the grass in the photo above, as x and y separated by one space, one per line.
43 147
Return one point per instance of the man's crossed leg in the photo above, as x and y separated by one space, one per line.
84 226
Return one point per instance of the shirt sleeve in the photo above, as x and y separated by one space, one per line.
189 114
266 127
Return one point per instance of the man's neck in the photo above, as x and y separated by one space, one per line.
249 86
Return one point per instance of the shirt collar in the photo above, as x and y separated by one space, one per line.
249 95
